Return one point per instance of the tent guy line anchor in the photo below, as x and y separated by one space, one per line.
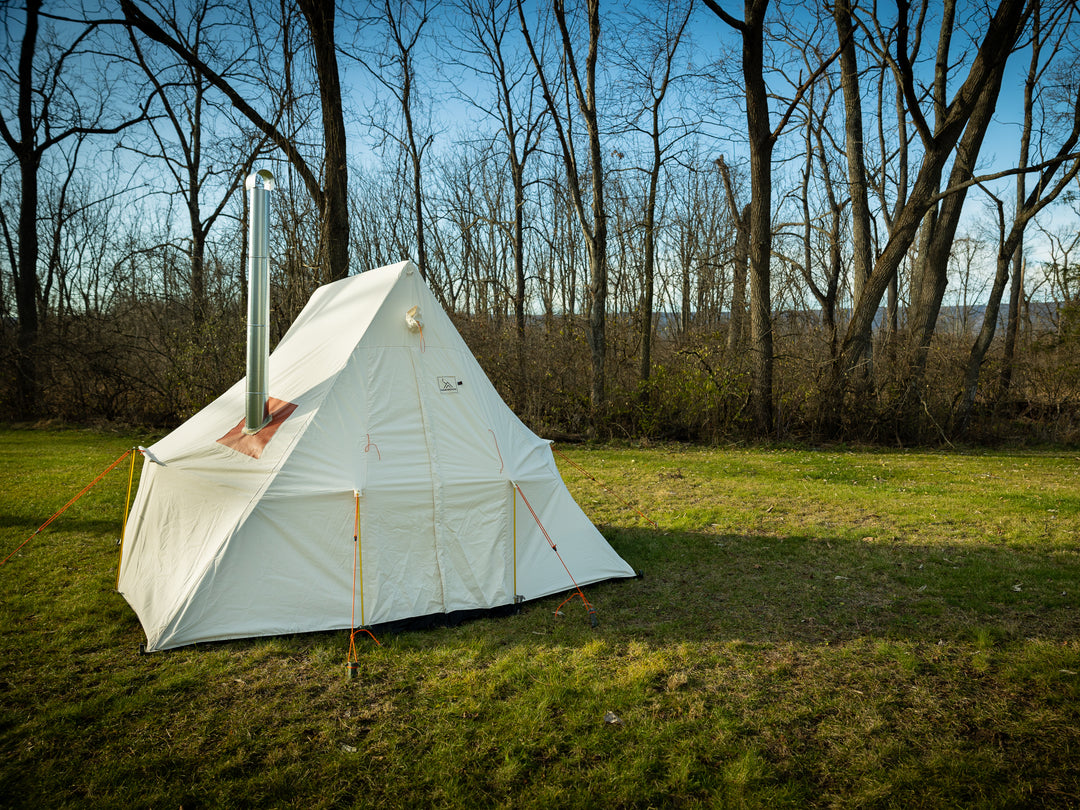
147 454
353 664
588 605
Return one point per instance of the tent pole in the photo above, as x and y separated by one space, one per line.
123 526
514 518
360 562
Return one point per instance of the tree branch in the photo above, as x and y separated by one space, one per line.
137 19
734 22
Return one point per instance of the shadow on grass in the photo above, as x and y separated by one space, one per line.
754 588
21 525
699 586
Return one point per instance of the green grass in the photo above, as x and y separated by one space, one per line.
814 628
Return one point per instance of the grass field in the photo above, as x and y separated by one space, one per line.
815 627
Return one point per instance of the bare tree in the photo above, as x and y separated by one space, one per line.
9 253
516 111
391 31
826 225
333 197
1061 269
380 218
330 193
649 61
72 211
736 337
83 246
1046 191
930 272
888 179
556 246
1048 36
762 140
957 135
51 106
862 254
194 152
594 221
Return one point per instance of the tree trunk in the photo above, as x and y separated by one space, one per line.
986 69
1027 208
418 204
1012 325
930 276
197 257
517 174
593 224
647 301
648 268
598 268
736 337
741 259
26 281
26 366
862 252
762 139
760 247
598 271
334 199
970 384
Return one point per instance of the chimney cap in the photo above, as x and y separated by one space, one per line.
262 174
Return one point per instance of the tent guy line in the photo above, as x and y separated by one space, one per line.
65 507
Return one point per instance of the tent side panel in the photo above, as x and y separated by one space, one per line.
288 569
476 546
180 526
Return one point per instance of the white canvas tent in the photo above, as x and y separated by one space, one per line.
381 416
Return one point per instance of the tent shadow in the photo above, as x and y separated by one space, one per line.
767 589
821 590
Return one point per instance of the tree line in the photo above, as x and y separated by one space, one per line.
682 219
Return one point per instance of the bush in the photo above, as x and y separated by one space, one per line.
151 364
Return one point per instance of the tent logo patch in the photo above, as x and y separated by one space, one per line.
448 385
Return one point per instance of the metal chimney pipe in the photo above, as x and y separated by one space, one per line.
256 416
